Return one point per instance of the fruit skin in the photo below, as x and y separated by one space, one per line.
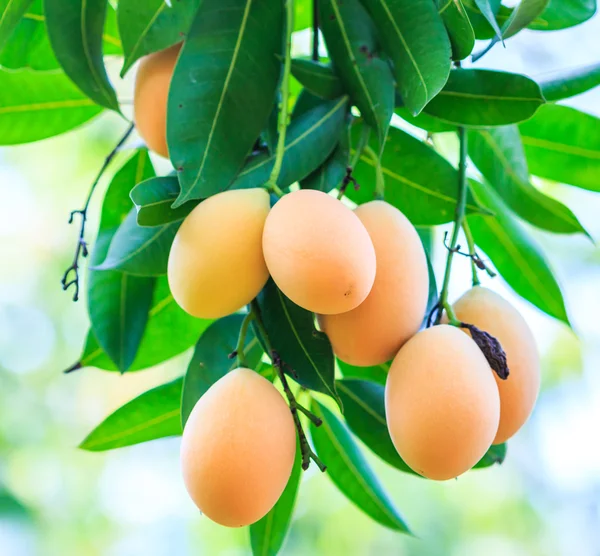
238 449
150 97
216 263
491 312
318 252
441 403
393 311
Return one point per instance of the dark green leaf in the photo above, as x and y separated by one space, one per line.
413 36
306 352
268 534
350 472
222 92
154 414
36 105
377 373
515 254
141 251
418 181
427 236
152 25
118 304
481 22
458 26
310 139
318 78
481 98
570 83
488 9
523 15
364 411
211 359
169 332
425 121
499 155
496 454
11 12
561 14
11 507
563 144
75 29
153 199
270 134
352 44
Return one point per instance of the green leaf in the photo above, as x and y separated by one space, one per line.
458 26
268 534
563 144
152 25
11 12
482 98
306 352
488 9
169 332
377 373
352 44
523 15
571 82
310 139
364 411
111 39
482 25
141 251
75 29
515 254
154 414
495 455
425 121
118 304
222 92
211 359
318 78
418 181
499 155
350 472
561 14
35 105
413 36
153 199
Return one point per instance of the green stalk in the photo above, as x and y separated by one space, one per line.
379 179
239 350
472 252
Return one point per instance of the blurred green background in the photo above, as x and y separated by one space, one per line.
56 499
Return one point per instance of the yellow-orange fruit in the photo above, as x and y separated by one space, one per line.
150 97
491 312
318 252
373 332
238 449
216 263
441 403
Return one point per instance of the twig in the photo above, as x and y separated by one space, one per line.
360 147
477 263
81 249
479 55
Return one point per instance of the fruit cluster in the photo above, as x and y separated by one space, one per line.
364 273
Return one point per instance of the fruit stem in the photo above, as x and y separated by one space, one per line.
379 179
472 252
459 217
271 184
295 407
239 350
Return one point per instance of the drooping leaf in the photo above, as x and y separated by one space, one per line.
498 154
523 15
376 373
488 9
268 534
483 98
350 472
169 332
515 254
352 44
154 414
118 304
563 144
36 105
418 181
570 83
318 78
75 29
485 25
495 455
153 199
306 352
458 26
211 359
152 25
310 139
141 251
364 411
11 12
222 92
562 14
413 36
